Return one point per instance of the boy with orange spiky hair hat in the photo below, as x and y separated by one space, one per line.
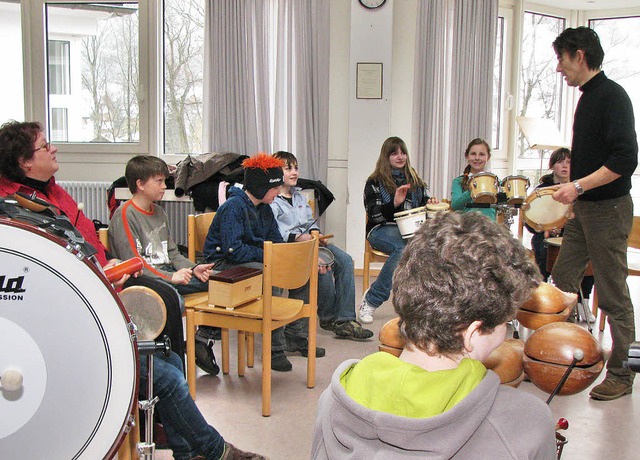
243 223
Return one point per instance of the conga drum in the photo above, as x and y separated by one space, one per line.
553 249
484 187
66 341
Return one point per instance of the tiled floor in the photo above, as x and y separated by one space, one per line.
598 430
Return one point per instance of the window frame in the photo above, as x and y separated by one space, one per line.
34 38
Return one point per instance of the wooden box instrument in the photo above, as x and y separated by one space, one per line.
235 286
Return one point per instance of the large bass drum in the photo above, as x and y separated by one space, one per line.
68 361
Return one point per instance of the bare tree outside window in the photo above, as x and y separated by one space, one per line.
183 75
620 38
102 104
540 85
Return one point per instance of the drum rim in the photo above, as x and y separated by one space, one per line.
555 240
438 206
323 250
539 193
408 212
483 173
515 177
133 403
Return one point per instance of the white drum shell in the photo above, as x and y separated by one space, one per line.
410 221
68 334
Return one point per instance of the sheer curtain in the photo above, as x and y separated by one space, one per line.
266 84
453 85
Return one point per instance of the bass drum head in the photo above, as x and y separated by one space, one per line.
63 329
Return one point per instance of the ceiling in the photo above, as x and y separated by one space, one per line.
589 4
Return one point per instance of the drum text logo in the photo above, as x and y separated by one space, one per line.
9 286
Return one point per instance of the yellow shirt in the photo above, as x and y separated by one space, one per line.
385 383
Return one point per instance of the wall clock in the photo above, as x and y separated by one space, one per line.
372 4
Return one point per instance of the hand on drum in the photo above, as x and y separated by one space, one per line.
566 193
202 272
120 282
433 200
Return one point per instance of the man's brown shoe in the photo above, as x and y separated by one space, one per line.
611 389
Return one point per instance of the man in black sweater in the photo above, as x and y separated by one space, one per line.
604 156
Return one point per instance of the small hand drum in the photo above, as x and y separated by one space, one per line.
325 257
146 310
541 212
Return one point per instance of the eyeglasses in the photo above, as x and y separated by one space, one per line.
46 146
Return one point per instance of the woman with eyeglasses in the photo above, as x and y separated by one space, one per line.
28 163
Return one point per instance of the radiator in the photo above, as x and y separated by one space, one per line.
94 197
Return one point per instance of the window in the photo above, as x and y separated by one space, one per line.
183 75
59 67
620 39
541 87
59 125
11 89
93 64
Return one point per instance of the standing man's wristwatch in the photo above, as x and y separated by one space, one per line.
578 187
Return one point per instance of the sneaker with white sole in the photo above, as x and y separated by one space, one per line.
365 313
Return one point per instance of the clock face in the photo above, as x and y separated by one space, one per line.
372 4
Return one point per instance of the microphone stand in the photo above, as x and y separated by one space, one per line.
146 449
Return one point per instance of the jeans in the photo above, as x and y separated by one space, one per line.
187 431
388 240
336 290
599 233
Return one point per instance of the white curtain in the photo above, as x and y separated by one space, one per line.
267 79
453 85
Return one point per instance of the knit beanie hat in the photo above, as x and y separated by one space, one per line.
261 173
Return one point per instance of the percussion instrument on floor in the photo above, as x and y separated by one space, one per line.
65 332
541 212
550 350
515 187
547 304
505 360
484 187
434 208
410 221
325 257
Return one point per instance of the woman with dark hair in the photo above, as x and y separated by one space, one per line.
394 186
477 154
28 164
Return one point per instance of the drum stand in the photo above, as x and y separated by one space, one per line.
146 449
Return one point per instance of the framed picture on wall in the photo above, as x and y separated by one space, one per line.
369 80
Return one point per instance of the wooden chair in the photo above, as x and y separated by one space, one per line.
370 256
103 236
197 229
287 266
